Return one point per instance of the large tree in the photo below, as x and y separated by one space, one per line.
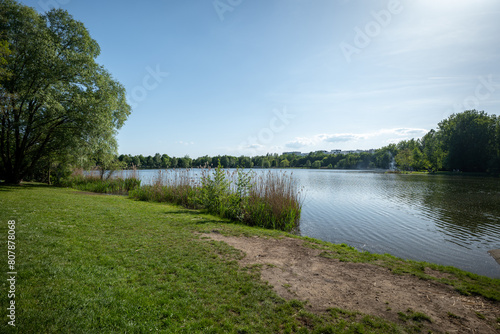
433 150
4 53
57 101
469 138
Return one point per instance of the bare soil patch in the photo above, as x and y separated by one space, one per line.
298 272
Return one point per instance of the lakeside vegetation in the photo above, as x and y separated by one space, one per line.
466 142
92 183
104 264
101 264
271 200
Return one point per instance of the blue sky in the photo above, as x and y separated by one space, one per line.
247 77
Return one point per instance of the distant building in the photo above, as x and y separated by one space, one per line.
335 151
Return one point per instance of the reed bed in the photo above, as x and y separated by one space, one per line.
271 201
275 199
173 186
113 183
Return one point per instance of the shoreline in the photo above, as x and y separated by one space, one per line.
386 171
159 256
298 268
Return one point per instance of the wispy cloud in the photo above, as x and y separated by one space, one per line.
339 138
390 135
185 143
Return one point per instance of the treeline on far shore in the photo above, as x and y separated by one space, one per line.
468 141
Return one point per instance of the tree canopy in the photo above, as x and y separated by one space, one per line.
56 103
469 140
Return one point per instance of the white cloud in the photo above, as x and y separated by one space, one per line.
254 146
295 144
341 138
383 135
410 132
180 142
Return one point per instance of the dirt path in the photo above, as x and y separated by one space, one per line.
297 272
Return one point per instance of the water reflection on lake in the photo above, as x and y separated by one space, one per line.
449 220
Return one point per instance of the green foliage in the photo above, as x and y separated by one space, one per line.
439 149
59 173
285 163
316 164
4 53
57 101
215 192
433 150
274 201
404 159
469 139
98 184
270 201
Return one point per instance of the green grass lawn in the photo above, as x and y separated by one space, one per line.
109 264
101 264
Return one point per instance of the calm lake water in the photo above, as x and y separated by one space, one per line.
449 220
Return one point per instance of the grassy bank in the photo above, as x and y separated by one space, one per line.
271 200
108 264
93 183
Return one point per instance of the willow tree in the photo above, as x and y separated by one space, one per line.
56 101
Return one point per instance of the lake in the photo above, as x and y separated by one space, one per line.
444 219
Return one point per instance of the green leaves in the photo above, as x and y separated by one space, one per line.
4 53
469 139
58 102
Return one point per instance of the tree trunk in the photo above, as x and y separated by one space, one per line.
13 177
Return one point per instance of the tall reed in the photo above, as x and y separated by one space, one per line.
116 184
173 186
272 200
